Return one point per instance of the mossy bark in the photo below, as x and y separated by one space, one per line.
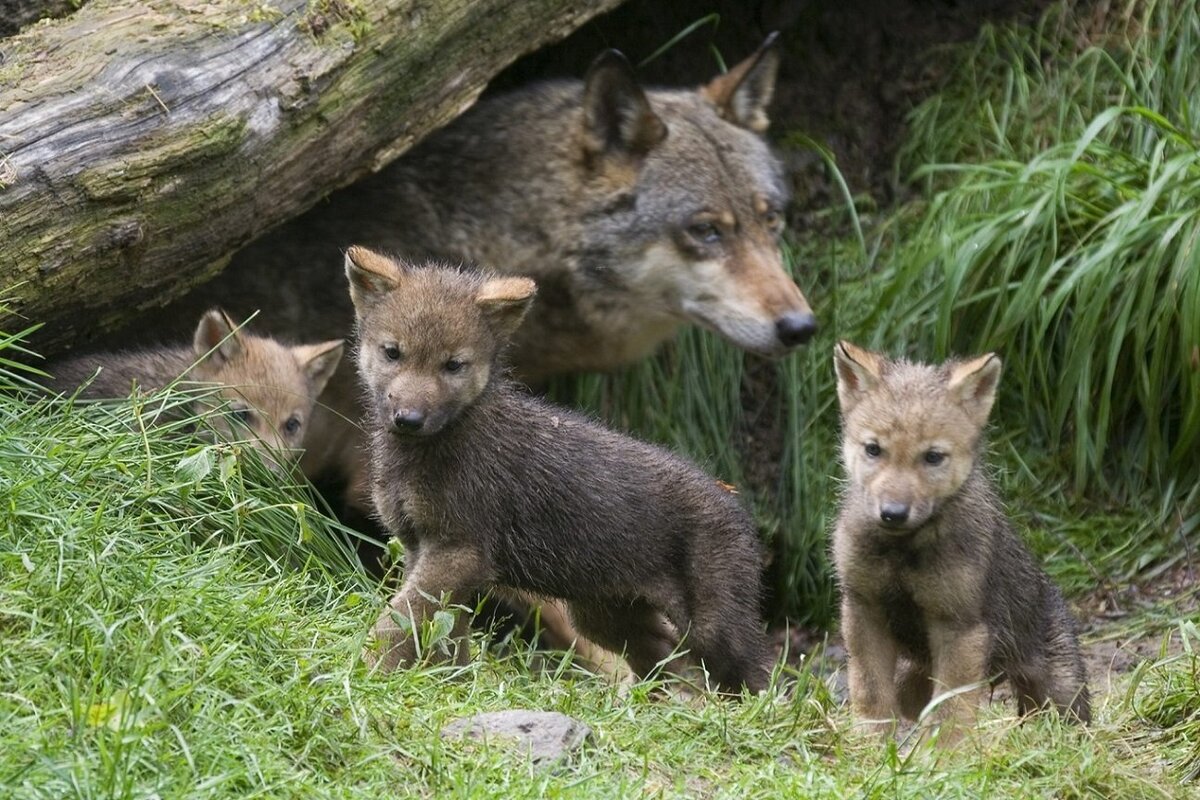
141 143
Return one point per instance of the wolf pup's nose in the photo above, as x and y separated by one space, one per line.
795 328
408 421
893 513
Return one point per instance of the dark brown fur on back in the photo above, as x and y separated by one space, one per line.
508 491
933 576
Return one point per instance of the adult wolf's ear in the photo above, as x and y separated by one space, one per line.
743 94
617 118
217 333
371 276
858 373
504 302
973 385
319 361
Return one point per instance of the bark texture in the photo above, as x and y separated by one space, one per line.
142 143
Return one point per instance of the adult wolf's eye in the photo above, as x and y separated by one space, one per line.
392 352
292 426
773 219
933 457
873 449
705 232
454 365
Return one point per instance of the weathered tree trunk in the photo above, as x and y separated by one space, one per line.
141 143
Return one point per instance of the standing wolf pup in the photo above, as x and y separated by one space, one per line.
270 387
489 487
930 568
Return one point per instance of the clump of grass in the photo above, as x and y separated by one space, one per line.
1063 231
1165 695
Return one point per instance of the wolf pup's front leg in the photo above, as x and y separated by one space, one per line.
437 578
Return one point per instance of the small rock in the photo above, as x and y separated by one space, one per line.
546 736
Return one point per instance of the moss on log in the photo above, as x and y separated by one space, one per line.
141 143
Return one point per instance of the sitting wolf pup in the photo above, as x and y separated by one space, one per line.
491 488
270 387
931 571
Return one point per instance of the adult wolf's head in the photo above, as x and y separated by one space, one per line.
688 202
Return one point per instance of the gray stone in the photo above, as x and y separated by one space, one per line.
545 736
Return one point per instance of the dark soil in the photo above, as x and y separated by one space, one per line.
851 70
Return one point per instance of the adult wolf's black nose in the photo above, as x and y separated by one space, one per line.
893 513
795 327
408 421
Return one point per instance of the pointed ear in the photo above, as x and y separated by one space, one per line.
743 94
371 276
973 384
217 333
859 372
504 302
319 362
617 118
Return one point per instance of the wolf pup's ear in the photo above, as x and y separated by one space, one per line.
218 334
858 373
743 94
504 302
319 362
371 276
973 385
617 117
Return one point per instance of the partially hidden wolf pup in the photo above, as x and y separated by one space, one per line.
489 487
270 387
932 574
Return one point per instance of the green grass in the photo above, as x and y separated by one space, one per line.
173 630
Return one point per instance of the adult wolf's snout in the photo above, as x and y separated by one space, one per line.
795 328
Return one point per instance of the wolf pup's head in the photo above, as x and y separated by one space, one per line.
269 388
693 201
910 432
429 336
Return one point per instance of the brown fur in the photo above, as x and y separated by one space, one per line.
934 578
489 487
269 387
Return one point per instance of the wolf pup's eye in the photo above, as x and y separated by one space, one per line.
933 457
392 352
292 426
705 232
773 219
454 365
872 449
243 415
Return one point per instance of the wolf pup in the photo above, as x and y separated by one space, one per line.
270 388
932 573
491 488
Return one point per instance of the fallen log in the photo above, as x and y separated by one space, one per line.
142 143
